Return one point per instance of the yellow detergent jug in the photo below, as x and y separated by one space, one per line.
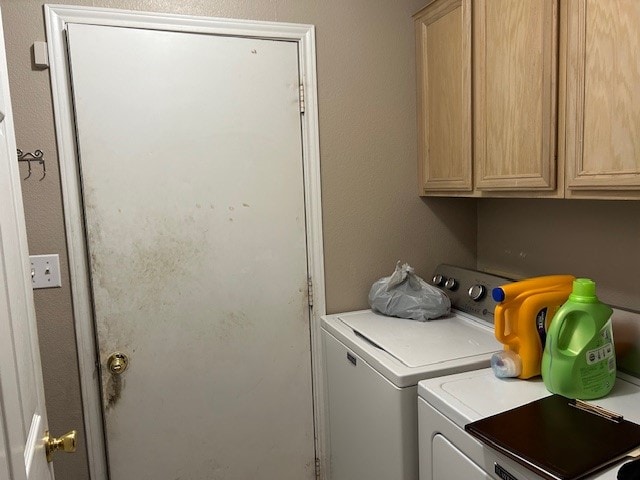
523 314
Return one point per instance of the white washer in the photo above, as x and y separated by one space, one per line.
373 364
447 404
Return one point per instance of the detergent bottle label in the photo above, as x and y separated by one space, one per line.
606 351
541 325
599 354
600 361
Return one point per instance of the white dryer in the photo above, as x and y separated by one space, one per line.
447 404
373 364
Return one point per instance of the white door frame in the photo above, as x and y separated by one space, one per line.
23 416
57 17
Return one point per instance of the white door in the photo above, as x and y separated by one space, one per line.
190 158
23 419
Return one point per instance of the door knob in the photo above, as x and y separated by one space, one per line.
117 363
66 443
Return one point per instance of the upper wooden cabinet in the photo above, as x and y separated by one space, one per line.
443 42
555 95
508 143
514 73
603 99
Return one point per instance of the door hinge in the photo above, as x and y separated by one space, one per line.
301 98
318 469
310 291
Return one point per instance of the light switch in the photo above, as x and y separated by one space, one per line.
45 271
40 55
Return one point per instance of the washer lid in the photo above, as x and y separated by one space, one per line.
418 344
468 396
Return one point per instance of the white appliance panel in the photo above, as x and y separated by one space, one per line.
457 396
446 404
437 360
373 363
418 344
370 419
433 423
449 463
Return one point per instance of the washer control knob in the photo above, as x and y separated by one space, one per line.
438 280
477 292
451 284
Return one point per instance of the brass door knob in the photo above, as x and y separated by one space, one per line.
117 363
66 443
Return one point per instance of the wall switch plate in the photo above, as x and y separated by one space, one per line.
45 271
40 55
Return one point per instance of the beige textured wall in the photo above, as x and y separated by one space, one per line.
372 214
587 238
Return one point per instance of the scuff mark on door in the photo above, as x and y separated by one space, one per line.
112 390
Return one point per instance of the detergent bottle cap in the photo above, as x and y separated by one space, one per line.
506 364
584 291
498 294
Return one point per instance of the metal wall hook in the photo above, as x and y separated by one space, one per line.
29 157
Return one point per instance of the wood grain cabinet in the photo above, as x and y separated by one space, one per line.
603 99
535 98
487 100
443 45
515 70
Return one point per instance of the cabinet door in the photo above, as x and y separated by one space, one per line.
603 96
515 94
443 44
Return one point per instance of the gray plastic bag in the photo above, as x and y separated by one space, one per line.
404 294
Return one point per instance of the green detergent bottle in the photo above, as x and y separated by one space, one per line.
579 359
